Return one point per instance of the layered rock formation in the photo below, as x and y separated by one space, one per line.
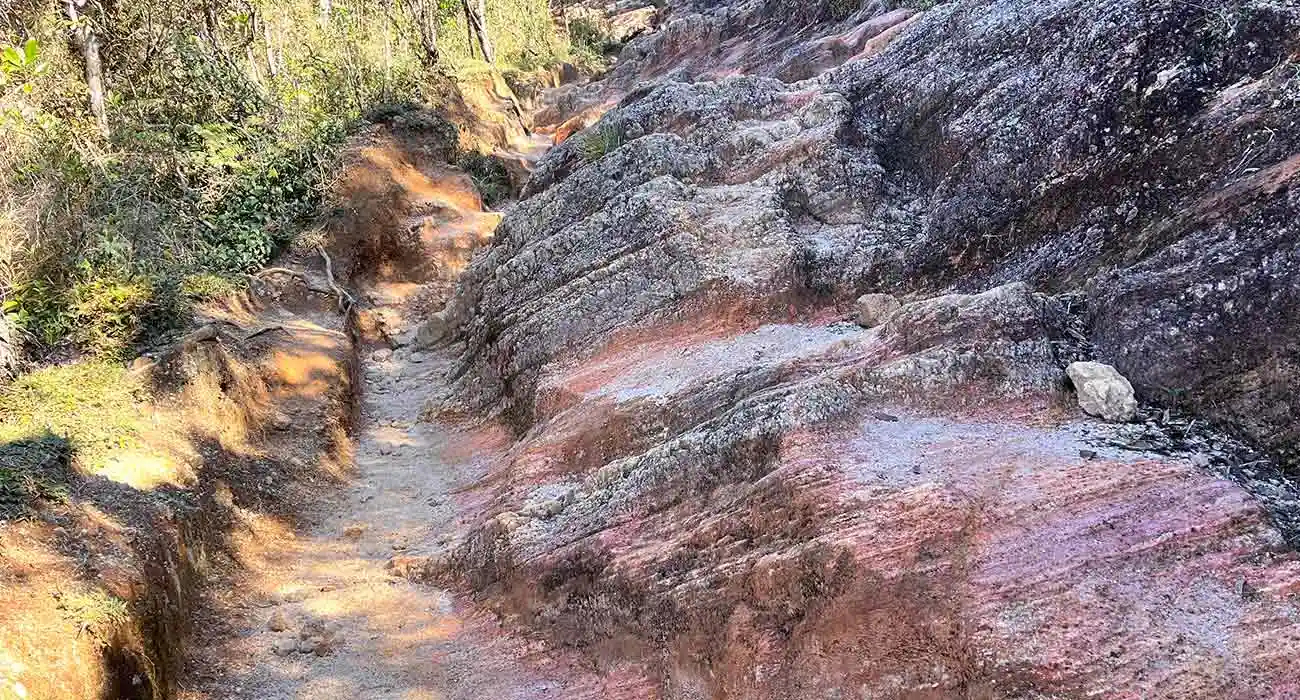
721 480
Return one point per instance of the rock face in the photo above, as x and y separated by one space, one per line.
1103 391
432 331
1051 180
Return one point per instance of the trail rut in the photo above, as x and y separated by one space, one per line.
325 612
321 616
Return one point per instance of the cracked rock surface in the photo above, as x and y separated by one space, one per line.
722 483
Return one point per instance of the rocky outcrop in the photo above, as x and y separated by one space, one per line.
718 477
987 144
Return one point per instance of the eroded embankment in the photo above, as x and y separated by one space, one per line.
248 419
324 612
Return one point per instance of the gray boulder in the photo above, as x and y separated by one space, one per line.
432 331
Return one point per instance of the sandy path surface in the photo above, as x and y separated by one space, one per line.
319 616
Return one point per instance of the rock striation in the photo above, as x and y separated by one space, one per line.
719 481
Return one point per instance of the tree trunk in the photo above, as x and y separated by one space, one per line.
425 14
87 41
8 349
271 67
477 21
469 28
326 7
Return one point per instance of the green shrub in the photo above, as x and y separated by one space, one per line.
604 138
590 44
206 286
841 9
32 469
489 175
107 315
522 32
39 310
213 165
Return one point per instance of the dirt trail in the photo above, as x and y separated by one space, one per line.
349 628
323 614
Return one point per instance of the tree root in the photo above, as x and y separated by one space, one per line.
314 283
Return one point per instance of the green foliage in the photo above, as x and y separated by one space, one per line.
841 9
39 311
32 470
227 117
93 405
95 613
107 314
592 46
602 139
489 174
206 286
522 32
18 62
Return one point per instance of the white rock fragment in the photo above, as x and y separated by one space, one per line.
1103 391
874 309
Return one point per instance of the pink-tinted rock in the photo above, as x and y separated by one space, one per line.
716 481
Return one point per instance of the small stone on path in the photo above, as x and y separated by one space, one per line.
1103 391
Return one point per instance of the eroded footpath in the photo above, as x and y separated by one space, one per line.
328 610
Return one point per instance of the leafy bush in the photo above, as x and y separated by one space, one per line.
107 314
590 44
31 470
489 175
38 310
206 286
225 125
522 32
217 155
841 9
